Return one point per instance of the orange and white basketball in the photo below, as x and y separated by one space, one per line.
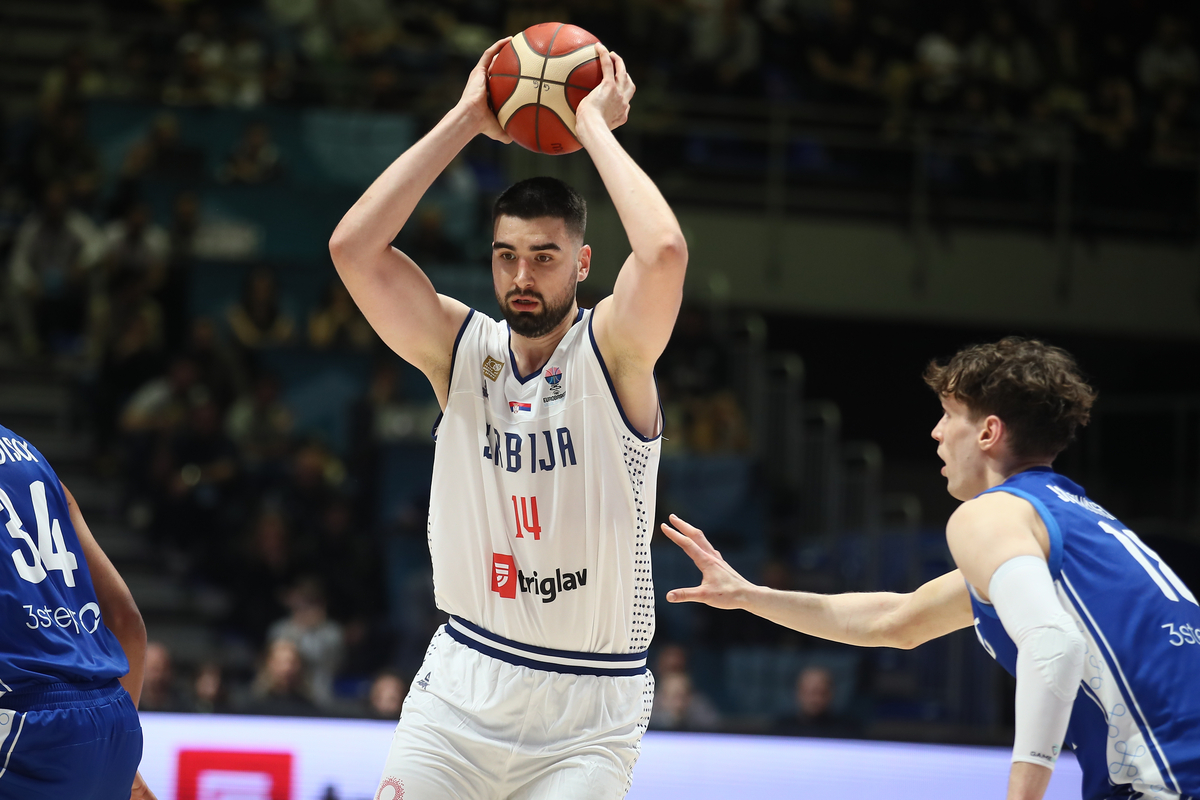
536 82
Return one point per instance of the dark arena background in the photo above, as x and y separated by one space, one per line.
865 185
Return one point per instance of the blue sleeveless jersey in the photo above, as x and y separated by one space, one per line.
50 625
1135 726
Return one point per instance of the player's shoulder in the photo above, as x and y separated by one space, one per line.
990 511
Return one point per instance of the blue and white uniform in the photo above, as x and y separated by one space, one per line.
67 727
1135 725
539 531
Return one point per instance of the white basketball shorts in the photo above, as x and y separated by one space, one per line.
491 719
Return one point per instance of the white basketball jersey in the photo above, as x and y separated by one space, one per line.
542 498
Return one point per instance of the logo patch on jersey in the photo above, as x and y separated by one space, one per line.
516 407
491 368
553 376
390 789
548 588
504 575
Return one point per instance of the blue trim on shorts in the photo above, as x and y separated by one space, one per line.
545 658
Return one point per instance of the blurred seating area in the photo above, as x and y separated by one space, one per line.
173 335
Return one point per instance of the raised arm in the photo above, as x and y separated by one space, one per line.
872 619
394 294
633 326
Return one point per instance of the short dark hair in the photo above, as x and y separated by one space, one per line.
1036 389
543 197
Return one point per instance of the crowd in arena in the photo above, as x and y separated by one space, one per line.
184 407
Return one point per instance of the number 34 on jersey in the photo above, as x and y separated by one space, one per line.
35 560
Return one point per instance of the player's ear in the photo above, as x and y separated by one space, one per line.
992 432
585 262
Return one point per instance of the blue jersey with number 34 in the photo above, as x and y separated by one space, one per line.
1135 726
50 625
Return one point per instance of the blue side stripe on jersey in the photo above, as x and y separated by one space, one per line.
1131 702
545 666
1052 529
613 389
453 358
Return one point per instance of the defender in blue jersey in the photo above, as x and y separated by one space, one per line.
1101 635
71 646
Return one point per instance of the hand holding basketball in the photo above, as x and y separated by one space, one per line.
475 95
609 101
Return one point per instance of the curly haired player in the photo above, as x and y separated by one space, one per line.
1101 635
545 468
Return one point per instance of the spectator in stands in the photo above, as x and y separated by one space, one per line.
338 323
386 696
210 693
281 687
718 424
52 256
61 152
941 63
162 403
195 476
218 367
675 707
814 712
72 82
725 48
130 355
246 62
131 79
842 56
1168 60
692 709
1003 58
262 569
309 489
126 314
258 319
1111 121
260 424
160 692
318 638
430 243
1176 138
255 158
136 244
170 157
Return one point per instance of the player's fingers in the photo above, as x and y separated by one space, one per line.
621 73
693 550
606 66
490 54
691 595
693 533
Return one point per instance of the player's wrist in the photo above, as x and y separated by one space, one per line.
589 124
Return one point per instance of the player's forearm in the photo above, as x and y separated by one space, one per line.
1028 781
651 226
857 619
374 220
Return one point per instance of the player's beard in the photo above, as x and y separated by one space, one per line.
535 324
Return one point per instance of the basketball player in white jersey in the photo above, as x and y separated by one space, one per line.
545 470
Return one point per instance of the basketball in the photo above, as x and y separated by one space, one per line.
536 82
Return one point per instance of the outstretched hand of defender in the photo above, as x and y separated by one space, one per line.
721 585
610 99
475 95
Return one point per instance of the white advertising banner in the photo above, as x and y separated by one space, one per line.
219 757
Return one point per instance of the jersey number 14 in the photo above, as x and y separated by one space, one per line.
50 552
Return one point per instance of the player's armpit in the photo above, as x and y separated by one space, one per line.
991 529
117 608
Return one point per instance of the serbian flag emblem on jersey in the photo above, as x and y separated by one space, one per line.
514 406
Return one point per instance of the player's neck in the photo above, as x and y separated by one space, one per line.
1000 471
531 354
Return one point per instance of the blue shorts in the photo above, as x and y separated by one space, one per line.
82 742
